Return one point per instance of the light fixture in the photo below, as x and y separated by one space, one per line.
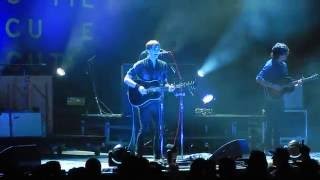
200 73
60 71
207 98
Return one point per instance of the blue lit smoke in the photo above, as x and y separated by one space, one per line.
259 21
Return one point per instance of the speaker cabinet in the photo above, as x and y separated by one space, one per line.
294 125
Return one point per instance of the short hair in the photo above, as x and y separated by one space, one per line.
282 153
150 44
279 49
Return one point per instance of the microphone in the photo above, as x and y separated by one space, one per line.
144 53
163 51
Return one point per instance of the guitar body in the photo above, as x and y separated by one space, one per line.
288 85
278 94
136 99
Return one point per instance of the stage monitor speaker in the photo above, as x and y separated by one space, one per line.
20 157
233 149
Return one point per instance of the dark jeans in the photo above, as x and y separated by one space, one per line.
147 124
274 115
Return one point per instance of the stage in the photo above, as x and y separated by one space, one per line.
75 159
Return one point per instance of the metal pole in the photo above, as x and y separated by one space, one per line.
161 128
181 126
181 120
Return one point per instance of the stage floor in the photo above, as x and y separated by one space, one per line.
75 159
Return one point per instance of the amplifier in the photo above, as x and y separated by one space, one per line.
294 125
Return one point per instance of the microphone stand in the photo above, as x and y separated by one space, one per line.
94 89
181 95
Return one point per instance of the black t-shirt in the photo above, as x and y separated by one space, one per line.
144 70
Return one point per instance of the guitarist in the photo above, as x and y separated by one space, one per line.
275 69
148 117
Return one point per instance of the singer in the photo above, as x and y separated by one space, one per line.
148 117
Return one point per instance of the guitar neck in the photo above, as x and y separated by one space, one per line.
157 89
162 88
310 78
303 80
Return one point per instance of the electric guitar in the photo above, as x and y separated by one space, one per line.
154 91
288 85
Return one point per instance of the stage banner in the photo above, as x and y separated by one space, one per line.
47 33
